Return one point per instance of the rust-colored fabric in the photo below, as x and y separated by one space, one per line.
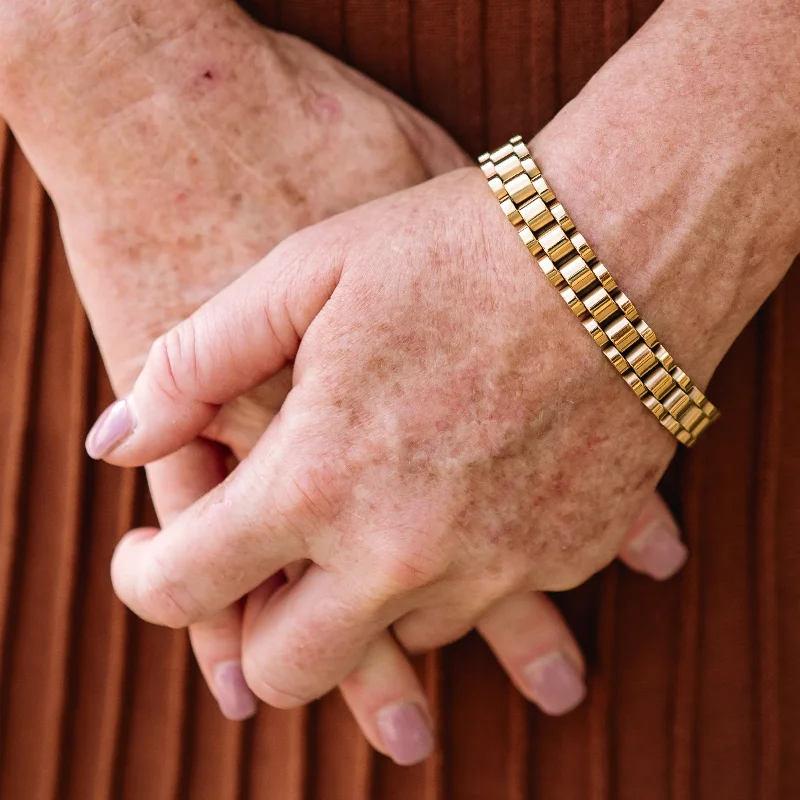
693 688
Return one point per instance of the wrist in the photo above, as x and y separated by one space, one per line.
696 216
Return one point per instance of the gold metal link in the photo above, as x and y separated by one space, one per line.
622 333
509 168
616 358
595 331
549 269
632 379
664 357
555 243
659 382
578 274
609 284
562 218
600 304
691 416
642 359
503 152
543 189
520 188
574 302
536 214
646 332
605 311
621 299
585 252
512 212
531 242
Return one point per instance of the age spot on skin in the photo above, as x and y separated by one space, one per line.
204 75
328 108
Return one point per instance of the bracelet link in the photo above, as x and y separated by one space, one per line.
608 315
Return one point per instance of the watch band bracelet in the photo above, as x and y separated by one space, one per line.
586 286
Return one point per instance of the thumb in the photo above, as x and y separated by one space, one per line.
234 342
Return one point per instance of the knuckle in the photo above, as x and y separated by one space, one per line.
565 578
312 495
174 360
165 600
267 688
406 570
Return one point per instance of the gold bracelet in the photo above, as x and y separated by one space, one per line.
571 266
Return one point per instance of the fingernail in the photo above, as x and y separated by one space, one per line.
659 550
115 425
555 683
405 733
235 699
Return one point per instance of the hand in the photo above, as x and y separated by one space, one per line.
436 456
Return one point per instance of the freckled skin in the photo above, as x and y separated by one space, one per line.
478 418
196 170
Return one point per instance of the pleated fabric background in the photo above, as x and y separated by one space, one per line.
694 693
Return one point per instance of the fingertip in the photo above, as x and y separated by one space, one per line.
405 733
555 684
653 544
139 581
389 703
236 701
533 643
657 551
112 428
122 566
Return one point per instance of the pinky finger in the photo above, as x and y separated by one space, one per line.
387 700
535 647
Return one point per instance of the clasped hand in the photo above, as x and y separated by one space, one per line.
451 439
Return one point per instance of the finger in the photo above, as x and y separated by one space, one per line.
537 650
433 627
182 478
389 704
221 547
234 342
241 422
217 647
653 544
309 636
175 483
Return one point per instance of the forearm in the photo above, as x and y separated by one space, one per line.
110 73
680 163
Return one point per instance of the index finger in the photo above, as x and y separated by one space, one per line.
218 549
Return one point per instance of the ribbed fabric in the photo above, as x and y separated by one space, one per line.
694 694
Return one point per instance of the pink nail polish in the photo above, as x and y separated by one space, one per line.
405 733
115 425
555 683
659 550
235 699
